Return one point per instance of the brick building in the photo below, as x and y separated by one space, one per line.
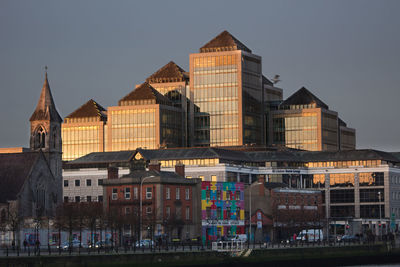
170 203
296 209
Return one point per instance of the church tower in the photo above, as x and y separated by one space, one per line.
45 132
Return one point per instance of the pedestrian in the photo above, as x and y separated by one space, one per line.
25 244
294 237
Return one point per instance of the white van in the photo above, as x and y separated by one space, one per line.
313 235
241 237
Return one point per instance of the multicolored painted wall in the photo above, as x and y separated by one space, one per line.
222 209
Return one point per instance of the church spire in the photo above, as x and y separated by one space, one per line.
46 109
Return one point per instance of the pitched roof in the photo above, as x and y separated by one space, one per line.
14 170
224 42
304 97
46 109
105 157
168 73
90 109
146 92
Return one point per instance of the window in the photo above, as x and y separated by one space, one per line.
148 211
213 178
218 194
187 194
187 213
127 193
88 198
100 182
168 212
219 213
208 212
65 183
127 210
237 213
100 198
148 193
114 195
178 195
228 213
228 195
77 183
135 193
168 193
66 199
237 195
89 182
208 194
77 199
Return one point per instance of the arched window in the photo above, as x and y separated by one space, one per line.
40 138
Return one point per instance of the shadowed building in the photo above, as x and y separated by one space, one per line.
84 131
173 82
30 181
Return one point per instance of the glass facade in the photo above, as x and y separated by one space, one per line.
330 136
341 179
215 95
78 141
296 130
133 128
342 211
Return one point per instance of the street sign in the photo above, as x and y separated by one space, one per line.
259 224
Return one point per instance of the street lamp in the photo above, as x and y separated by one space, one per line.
141 212
380 215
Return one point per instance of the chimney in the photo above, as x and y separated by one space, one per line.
180 169
154 165
112 172
261 181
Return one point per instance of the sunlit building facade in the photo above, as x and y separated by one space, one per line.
84 131
304 122
144 118
226 91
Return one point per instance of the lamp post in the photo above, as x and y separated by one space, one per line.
141 212
380 216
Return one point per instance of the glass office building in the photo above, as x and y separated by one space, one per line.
225 84
144 118
83 131
303 121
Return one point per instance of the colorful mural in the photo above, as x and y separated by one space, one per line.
222 209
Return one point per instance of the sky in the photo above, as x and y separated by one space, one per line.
345 52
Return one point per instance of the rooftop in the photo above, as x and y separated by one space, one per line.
224 42
90 109
168 73
304 97
145 92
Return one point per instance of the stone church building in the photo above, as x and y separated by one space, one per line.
31 179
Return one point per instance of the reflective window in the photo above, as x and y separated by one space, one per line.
341 179
371 178
372 195
342 211
372 211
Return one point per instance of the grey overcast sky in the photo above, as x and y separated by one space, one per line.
345 52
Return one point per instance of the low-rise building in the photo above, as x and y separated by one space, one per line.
153 203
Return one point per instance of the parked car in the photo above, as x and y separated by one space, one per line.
101 244
241 237
349 238
74 243
146 243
